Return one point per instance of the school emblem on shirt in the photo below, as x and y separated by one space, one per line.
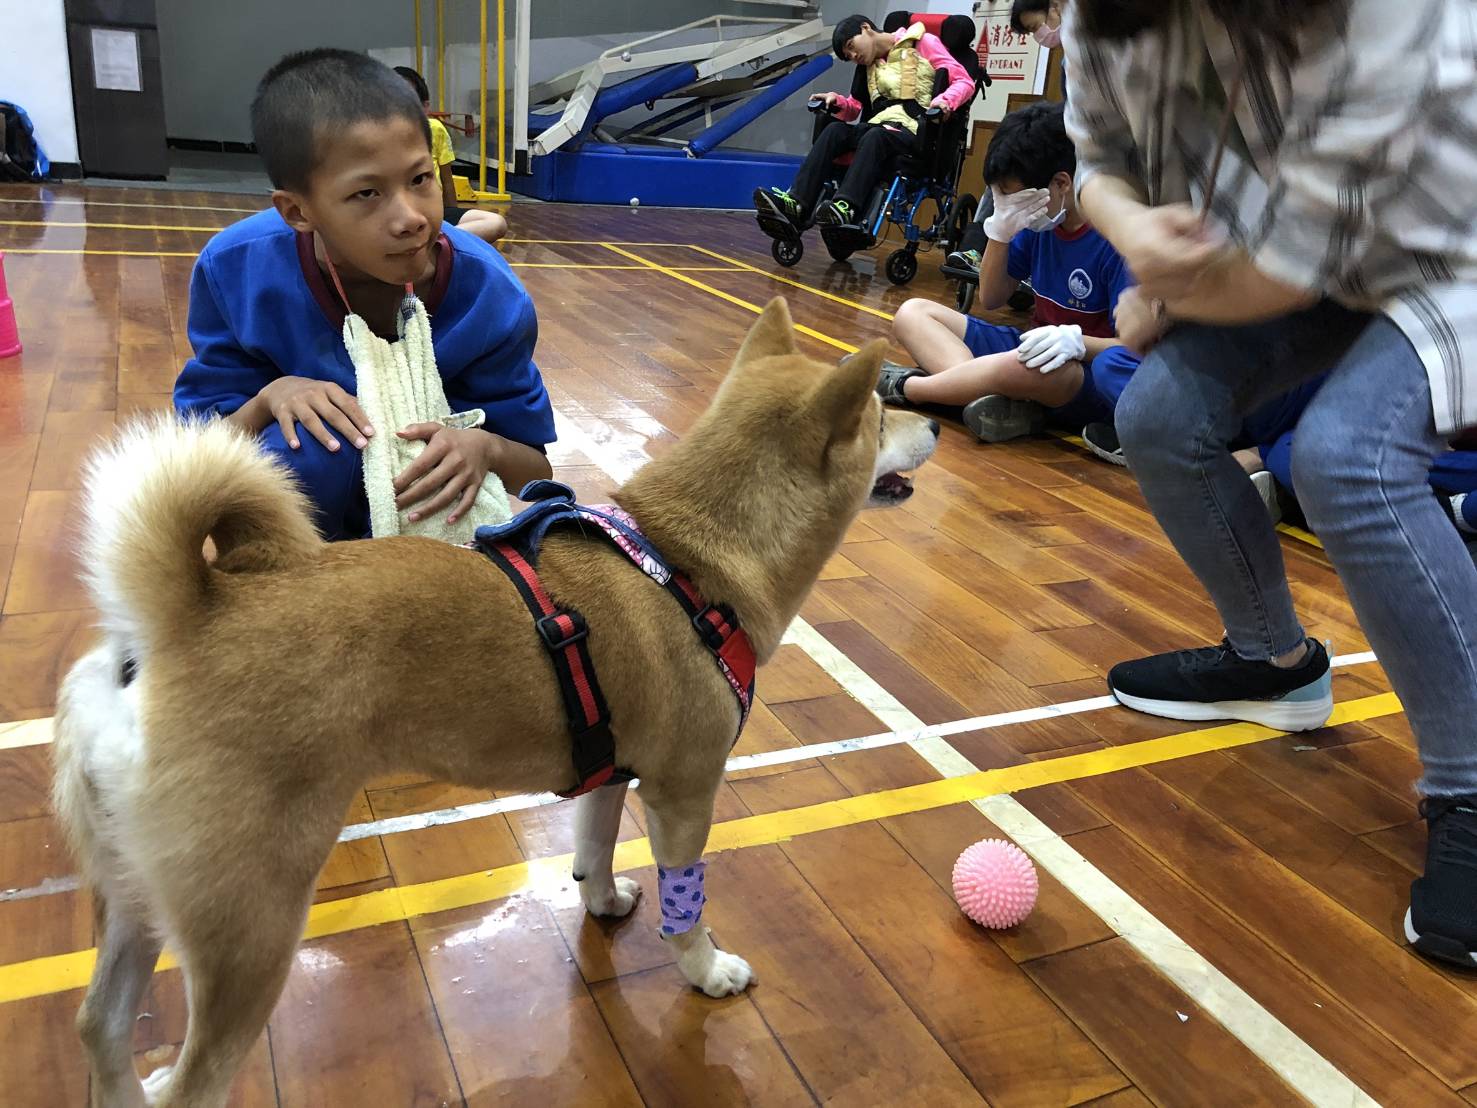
1079 284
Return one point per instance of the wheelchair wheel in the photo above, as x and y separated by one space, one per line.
787 251
902 266
964 296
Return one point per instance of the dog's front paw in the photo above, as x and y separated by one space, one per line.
616 901
729 975
714 971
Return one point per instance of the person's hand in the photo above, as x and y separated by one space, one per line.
1051 347
1167 250
1137 323
1014 212
314 404
449 470
943 109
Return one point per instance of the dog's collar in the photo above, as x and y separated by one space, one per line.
514 547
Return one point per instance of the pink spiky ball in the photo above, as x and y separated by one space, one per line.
995 883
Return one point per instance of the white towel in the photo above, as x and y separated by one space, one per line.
398 385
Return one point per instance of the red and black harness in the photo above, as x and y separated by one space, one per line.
513 547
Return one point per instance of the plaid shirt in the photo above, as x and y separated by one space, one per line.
1354 172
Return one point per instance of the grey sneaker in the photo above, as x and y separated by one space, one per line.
890 382
997 418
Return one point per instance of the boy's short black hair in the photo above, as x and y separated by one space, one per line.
1031 146
847 30
308 94
417 82
1021 7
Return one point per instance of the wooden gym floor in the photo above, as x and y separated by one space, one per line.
1220 911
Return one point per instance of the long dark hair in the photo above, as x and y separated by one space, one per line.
1257 25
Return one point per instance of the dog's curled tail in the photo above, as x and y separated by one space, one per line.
152 496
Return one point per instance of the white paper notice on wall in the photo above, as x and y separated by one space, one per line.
115 62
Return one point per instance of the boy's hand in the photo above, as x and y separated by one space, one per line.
305 400
1014 212
450 469
1051 347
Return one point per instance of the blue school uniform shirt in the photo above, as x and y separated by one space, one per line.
1077 277
261 309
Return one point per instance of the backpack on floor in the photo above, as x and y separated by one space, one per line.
21 158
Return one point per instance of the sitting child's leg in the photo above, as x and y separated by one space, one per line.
963 359
333 481
487 226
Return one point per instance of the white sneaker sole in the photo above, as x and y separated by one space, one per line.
1304 715
1413 937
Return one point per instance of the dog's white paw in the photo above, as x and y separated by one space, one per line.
617 901
716 972
157 1082
729 975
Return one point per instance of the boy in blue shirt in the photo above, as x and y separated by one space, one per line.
1068 370
357 222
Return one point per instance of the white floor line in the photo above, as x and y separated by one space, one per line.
1295 1061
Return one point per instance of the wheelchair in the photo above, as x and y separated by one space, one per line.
930 175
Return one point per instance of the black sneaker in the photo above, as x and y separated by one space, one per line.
1102 440
778 202
997 418
838 213
1215 682
1442 919
890 383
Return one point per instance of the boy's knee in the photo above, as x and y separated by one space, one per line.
332 479
913 315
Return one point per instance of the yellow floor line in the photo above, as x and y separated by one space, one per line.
878 312
60 972
106 226
106 253
755 308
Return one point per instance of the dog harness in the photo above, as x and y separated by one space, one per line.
514 546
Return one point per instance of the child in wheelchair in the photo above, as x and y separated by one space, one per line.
903 78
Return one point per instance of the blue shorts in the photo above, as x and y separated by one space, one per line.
1103 379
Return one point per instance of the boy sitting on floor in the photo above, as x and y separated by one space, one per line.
487 226
356 222
892 90
1071 369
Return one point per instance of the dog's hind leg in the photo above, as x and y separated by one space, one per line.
679 826
127 951
597 824
236 913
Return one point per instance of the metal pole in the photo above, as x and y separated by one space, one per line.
502 96
420 50
440 55
482 94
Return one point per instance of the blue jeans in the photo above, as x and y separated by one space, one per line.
1361 458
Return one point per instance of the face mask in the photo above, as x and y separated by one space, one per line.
1048 37
1046 221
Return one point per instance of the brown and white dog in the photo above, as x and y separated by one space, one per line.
203 788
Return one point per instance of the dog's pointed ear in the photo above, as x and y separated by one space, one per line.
772 336
844 394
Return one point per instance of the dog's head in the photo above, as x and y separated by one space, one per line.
829 441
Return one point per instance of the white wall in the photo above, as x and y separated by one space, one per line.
36 74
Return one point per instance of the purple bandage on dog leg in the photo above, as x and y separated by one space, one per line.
681 892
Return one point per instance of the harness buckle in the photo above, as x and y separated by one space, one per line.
554 636
713 637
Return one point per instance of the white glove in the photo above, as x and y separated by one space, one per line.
1015 212
1051 347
